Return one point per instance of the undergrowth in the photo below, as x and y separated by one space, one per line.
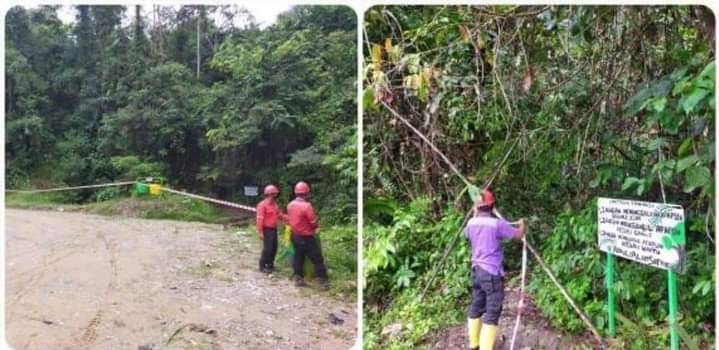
168 207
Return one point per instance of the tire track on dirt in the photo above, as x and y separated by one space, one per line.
89 333
47 261
33 250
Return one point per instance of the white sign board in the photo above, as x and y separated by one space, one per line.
648 233
251 191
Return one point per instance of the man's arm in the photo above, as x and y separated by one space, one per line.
260 220
312 217
507 230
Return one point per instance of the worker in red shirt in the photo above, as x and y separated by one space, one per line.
304 224
268 215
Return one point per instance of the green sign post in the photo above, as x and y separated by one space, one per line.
673 309
610 295
649 233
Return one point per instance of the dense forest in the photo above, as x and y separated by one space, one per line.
200 95
554 106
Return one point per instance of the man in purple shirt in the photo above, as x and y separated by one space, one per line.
485 233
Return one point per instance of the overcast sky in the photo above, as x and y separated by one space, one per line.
264 12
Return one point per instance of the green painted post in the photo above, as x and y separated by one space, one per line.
673 308
610 295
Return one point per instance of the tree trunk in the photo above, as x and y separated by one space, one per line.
707 24
198 44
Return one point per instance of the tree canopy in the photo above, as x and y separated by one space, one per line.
249 106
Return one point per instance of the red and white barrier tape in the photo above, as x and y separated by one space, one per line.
208 199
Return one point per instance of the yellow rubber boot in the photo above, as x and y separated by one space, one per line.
487 337
473 328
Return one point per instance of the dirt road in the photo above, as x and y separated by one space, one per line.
535 332
78 281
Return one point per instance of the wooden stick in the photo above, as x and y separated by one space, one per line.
449 248
425 139
566 295
560 287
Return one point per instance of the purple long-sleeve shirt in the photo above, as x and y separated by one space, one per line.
485 234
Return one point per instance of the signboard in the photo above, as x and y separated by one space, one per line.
251 191
648 233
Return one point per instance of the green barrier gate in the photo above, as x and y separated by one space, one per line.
144 185
141 188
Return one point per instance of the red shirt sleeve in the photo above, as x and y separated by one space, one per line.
312 217
259 222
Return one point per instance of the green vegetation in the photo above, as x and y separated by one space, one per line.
591 101
168 207
34 200
339 246
108 98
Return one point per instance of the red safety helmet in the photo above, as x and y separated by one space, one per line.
271 189
302 188
487 199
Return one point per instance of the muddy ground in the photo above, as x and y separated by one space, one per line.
534 333
79 281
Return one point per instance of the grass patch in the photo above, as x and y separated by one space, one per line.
339 247
166 207
38 201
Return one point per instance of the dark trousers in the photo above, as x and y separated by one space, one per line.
487 296
269 248
308 246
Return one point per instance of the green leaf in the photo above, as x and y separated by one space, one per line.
642 186
681 86
685 147
659 104
697 176
368 98
473 193
656 144
629 183
412 62
708 72
686 162
707 287
706 152
665 167
689 101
